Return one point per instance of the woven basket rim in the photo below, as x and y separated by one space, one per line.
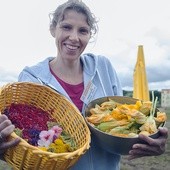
36 150
50 154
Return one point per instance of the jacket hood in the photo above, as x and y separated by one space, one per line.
89 63
42 69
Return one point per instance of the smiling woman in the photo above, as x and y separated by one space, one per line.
83 77
71 36
24 25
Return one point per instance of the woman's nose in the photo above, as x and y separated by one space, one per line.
74 36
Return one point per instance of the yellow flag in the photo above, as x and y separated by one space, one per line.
140 82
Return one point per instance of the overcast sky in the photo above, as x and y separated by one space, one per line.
123 25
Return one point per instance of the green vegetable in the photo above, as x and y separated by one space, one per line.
150 124
105 126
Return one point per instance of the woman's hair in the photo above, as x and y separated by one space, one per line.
79 7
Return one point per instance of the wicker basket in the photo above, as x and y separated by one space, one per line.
25 156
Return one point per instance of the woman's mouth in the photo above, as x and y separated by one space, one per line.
71 47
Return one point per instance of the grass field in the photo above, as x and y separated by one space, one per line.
152 162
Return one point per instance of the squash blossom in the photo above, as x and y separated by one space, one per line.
127 120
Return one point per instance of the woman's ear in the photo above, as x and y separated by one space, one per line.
52 31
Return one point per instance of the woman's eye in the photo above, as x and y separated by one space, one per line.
84 31
66 27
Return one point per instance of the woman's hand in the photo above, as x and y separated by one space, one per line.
153 147
6 128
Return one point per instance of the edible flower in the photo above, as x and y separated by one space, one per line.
39 129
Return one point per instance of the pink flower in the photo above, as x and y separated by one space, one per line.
57 131
46 138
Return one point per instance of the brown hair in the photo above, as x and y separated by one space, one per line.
78 6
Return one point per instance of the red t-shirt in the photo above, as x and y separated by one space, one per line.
74 91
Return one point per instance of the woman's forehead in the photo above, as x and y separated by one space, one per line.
74 16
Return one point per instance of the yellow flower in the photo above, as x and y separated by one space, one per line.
43 148
161 117
60 146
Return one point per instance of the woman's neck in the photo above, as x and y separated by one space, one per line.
69 72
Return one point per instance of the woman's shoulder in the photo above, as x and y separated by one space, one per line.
93 62
89 57
40 65
41 69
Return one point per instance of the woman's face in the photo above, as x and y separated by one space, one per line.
71 35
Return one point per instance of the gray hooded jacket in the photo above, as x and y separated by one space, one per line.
100 80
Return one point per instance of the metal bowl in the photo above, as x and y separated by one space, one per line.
114 144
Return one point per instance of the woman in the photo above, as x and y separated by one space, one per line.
84 77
